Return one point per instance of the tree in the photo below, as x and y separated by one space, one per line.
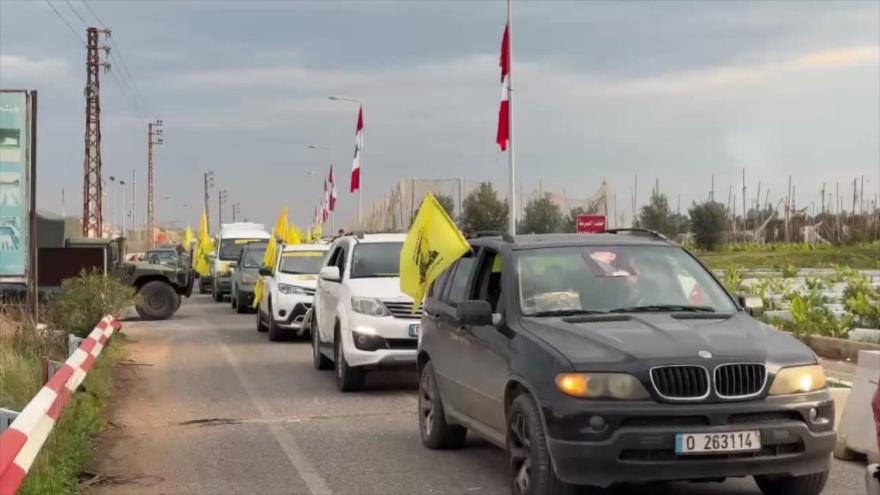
655 214
709 222
542 216
569 223
482 210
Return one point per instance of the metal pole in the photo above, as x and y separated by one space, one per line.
33 244
511 194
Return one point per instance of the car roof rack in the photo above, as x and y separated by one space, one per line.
637 231
490 233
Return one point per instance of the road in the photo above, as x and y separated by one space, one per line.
206 405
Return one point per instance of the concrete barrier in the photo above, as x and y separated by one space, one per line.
856 434
21 442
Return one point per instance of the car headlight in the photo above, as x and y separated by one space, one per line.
369 306
290 289
247 278
601 386
798 379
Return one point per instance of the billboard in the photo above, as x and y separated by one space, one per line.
590 224
15 177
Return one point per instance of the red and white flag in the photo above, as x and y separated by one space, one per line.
325 204
503 136
332 189
358 146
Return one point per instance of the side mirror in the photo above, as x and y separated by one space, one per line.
476 313
265 271
753 305
330 274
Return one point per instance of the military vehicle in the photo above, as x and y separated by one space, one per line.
161 286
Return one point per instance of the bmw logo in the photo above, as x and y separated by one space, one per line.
705 354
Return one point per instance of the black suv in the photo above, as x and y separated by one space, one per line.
616 357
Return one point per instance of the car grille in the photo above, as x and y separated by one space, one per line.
402 309
655 455
764 417
739 380
681 382
402 344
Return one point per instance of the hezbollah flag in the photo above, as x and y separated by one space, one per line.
281 225
204 247
294 235
432 245
188 238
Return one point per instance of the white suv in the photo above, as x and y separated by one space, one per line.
290 287
361 319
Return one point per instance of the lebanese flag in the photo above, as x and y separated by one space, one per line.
325 204
358 146
503 136
332 189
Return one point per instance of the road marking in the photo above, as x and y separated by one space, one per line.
299 461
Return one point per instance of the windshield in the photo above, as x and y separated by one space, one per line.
615 278
161 256
379 259
301 262
253 257
230 249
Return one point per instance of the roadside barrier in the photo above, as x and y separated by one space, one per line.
21 442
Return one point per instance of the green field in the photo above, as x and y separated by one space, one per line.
859 256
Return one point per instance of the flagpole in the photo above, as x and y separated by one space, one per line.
511 196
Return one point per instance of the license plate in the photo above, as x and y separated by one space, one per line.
414 330
710 443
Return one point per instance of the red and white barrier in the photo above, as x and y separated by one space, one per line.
21 442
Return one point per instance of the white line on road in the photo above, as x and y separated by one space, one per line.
298 460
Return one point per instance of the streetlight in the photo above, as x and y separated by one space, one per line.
360 152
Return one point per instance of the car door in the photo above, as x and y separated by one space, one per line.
438 338
484 350
328 295
445 310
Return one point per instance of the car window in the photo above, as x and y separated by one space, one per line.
252 258
602 278
301 262
376 259
459 284
439 283
230 249
487 286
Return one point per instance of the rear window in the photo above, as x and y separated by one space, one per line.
380 259
230 249
253 257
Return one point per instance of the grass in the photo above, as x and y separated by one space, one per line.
858 256
68 450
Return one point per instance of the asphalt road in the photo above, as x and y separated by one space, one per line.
206 405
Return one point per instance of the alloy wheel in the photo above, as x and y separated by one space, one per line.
426 403
520 452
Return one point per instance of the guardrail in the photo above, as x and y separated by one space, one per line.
21 442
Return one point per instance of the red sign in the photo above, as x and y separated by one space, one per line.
590 224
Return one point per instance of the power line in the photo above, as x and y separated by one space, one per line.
74 31
86 24
125 73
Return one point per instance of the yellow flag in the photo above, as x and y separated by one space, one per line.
294 235
281 225
188 238
271 252
204 247
432 245
258 292
317 233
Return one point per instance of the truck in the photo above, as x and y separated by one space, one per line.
161 287
233 237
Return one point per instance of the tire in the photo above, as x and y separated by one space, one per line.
216 295
203 287
320 361
261 327
435 431
239 307
276 333
159 301
232 301
808 484
531 470
348 378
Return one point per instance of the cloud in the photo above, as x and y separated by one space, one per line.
21 71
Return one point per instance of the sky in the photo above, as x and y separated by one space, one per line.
668 91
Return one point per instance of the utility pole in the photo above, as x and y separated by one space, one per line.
209 183
745 212
862 196
221 199
823 198
154 130
712 189
854 195
236 209
92 217
788 210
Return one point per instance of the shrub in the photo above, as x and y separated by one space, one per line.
85 299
